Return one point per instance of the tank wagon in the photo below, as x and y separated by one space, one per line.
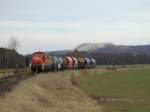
68 63
87 63
93 63
75 63
60 64
51 64
55 63
42 62
81 63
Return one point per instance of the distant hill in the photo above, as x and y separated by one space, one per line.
105 48
59 52
91 47
111 48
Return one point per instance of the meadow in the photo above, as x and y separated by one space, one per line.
120 90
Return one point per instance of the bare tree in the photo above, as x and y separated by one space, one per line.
13 43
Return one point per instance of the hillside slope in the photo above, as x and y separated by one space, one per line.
51 92
88 47
112 48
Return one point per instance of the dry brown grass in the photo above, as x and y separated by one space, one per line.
51 92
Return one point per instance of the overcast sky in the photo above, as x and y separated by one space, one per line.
62 24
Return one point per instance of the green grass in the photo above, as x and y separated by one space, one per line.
131 85
125 66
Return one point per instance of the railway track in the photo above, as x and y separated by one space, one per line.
9 78
8 74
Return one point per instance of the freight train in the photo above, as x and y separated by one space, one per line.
42 62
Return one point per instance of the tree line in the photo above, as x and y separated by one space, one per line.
11 59
114 58
120 59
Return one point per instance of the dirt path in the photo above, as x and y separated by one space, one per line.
50 92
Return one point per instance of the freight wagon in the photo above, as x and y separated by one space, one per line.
93 63
68 62
82 63
75 63
87 63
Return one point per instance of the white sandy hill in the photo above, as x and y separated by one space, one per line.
51 92
88 47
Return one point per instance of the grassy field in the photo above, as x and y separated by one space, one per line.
130 87
124 66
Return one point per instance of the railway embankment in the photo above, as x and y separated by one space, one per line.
48 92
